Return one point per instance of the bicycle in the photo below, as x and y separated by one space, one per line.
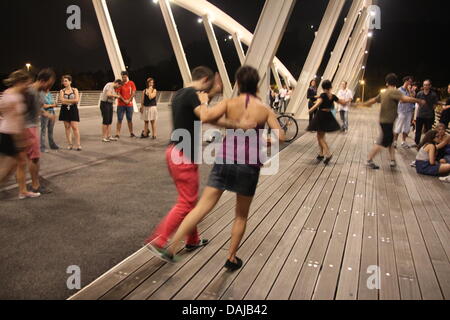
288 123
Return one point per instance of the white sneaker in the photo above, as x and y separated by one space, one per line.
445 179
112 139
27 195
413 164
106 140
405 145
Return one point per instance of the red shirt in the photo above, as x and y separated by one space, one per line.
125 91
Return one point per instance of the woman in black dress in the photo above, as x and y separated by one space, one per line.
324 121
312 98
69 98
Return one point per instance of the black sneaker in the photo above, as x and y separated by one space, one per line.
327 160
372 165
193 247
231 266
320 158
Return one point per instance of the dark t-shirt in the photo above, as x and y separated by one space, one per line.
311 95
427 111
326 102
183 116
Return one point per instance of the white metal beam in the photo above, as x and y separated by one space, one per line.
227 89
357 38
268 34
239 49
176 41
109 36
110 39
342 41
276 75
298 104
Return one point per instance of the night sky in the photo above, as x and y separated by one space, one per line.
412 41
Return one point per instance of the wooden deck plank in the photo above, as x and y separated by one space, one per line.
306 282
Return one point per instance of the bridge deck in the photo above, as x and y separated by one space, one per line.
314 232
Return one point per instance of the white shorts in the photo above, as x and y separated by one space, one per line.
149 114
403 123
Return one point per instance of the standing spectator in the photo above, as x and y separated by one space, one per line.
12 131
125 106
312 97
149 112
69 98
344 94
106 107
405 113
35 101
283 93
445 115
47 124
425 113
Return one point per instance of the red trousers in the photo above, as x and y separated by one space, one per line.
186 178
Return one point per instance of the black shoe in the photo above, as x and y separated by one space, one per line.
372 165
55 147
231 266
193 247
145 136
132 135
42 190
320 158
327 160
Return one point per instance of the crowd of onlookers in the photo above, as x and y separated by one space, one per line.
28 117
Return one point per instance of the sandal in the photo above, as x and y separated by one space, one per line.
79 148
70 147
231 266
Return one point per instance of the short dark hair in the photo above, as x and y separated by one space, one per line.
326 85
66 76
408 78
124 73
431 83
247 79
391 79
46 75
202 72
119 82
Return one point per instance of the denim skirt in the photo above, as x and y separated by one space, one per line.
238 178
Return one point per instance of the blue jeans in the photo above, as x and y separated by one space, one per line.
122 110
344 118
47 125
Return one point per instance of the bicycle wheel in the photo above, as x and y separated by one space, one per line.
289 126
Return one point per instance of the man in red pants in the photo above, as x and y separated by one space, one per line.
182 161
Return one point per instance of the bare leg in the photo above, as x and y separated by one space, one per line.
153 122
209 199
444 169
8 164
76 133
375 150
405 135
118 128
105 131
33 166
239 225
146 128
68 133
320 144
130 126
21 173
392 153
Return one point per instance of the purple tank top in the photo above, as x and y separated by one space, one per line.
242 147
